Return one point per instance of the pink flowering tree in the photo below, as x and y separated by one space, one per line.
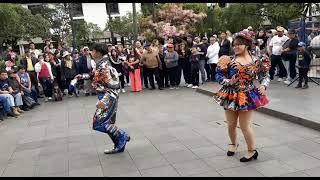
173 20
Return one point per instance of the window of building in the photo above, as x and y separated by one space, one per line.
112 8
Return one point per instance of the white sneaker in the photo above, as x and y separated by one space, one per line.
50 98
123 91
46 99
195 87
171 88
280 79
177 87
287 82
189 85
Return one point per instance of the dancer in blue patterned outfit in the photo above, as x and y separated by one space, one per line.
106 83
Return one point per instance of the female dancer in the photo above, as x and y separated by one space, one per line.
239 96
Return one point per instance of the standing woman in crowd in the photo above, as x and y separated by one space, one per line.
239 96
171 60
225 45
139 51
134 73
123 57
213 56
163 72
44 75
117 63
183 64
69 70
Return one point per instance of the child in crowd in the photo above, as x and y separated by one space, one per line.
304 60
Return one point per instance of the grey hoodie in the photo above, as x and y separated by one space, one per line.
172 59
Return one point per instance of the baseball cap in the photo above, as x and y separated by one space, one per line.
301 44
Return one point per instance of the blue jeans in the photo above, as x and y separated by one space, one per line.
202 64
33 94
5 103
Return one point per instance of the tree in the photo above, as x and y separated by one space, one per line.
94 30
173 20
279 14
123 25
18 23
249 13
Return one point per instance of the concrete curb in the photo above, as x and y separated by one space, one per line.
284 116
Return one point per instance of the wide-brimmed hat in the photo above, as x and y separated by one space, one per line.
280 28
66 53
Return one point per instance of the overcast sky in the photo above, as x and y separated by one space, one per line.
97 14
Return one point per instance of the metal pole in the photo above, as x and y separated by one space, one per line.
110 21
134 18
74 43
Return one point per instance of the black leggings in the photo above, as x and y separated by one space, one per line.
213 71
303 75
173 76
46 86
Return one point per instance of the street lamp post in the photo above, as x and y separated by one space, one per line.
74 43
110 22
134 18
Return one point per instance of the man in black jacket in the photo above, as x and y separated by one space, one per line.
28 63
85 67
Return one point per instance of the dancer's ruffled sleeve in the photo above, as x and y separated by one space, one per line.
222 70
263 72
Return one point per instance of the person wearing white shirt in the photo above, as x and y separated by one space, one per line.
34 50
275 47
213 55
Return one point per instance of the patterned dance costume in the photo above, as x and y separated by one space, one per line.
243 95
106 83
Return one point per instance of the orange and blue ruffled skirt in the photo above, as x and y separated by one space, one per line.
230 99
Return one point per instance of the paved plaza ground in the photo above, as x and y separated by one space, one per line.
173 133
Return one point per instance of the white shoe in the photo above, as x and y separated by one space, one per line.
287 82
195 87
46 99
171 88
177 87
189 85
50 98
123 91
186 84
280 79
128 84
70 96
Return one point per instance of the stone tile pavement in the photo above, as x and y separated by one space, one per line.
174 133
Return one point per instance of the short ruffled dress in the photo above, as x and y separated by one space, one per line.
243 95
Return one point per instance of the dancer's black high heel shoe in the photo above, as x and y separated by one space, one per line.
231 153
254 156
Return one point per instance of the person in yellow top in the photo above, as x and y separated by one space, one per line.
28 63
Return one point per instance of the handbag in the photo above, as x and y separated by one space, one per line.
28 101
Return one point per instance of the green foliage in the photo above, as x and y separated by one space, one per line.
123 25
241 15
19 23
196 7
281 13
